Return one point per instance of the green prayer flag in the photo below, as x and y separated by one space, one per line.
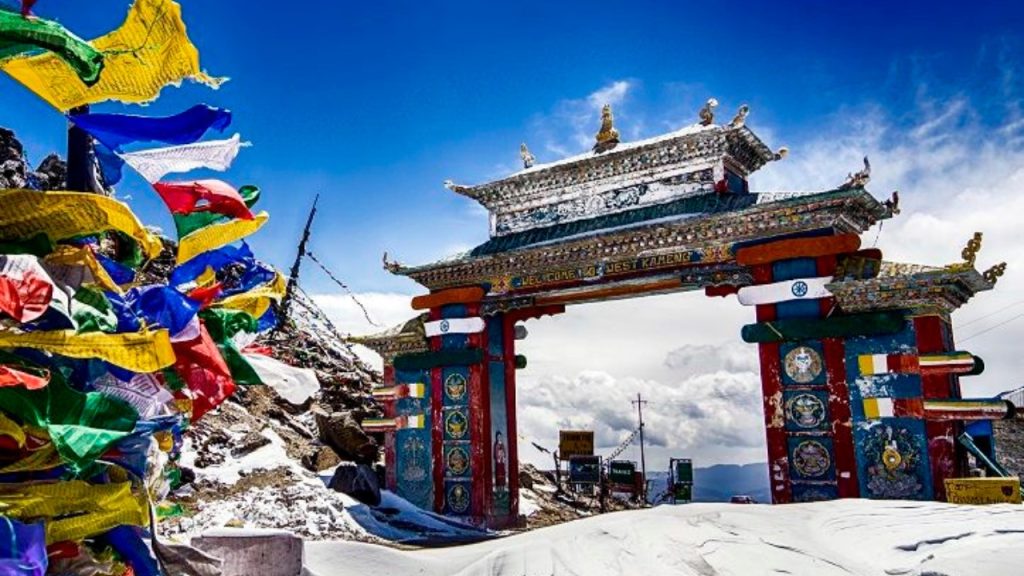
189 223
91 312
20 35
222 325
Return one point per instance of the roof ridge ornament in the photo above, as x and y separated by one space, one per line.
391 266
457 188
707 113
528 159
893 204
992 274
782 153
607 136
970 252
858 179
741 117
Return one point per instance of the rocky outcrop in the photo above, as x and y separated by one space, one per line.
15 171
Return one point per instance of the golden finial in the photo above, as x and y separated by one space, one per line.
390 266
970 252
740 118
858 179
528 158
608 136
993 273
782 153
707 113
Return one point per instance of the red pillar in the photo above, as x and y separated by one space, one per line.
931 334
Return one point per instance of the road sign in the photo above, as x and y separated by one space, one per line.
585 469
621 472
983 490
575 443
683 470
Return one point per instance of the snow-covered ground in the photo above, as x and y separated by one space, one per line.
859 537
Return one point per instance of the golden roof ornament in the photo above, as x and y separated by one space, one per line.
707 113
992 274
524 153
392 265
608 136
782 153
740 118
858 179
970 252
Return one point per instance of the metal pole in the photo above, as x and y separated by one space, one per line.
643 464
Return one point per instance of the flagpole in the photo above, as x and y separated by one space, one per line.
79 155
293 276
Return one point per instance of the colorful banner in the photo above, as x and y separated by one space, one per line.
75 510
454 326
25 287
137 351
200 364
800 289
19 35
10 376
78 266
155 163
117 130
22 548
415 390
257 301
149 51
295 385
203 196
61 215
216 235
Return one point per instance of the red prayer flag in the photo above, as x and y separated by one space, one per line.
13 377
25 288
26 7
203 369
203 196
206 295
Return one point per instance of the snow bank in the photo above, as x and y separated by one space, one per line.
840 537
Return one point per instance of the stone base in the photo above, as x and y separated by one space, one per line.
247 552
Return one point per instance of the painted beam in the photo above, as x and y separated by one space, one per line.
439 358
866 324
610 292
798 289
454 326
941 410
392 424
401 391
440 298
958 362
797 248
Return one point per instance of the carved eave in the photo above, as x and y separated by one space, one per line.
922 289
405 338
681 241
660 157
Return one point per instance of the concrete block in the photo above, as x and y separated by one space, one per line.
247 552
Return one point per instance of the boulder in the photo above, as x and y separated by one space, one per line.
358 481
341 431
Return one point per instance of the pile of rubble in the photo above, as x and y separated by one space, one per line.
545 503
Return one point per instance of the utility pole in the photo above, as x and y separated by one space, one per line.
293 276
643 464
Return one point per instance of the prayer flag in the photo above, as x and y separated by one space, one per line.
155 163
117 130
203 196
19 34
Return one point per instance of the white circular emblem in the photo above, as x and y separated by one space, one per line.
799 289
444 326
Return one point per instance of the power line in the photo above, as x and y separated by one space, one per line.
366 314
991 314
991 328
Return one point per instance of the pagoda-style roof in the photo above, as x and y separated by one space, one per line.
691 161
692 233
405 338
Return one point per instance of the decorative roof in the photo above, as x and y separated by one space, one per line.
616 178
690 233
404 338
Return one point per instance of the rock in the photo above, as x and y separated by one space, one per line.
52 173
321 458
358 481
15 172
251 442
341 431
525 480
246 552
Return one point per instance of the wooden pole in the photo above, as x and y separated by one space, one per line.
79 156
643 464
293 276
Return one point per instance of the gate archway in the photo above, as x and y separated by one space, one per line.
860 376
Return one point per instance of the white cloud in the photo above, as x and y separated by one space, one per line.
570 127
386 309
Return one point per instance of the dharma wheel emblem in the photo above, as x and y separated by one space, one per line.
799 289
802 364
806 410
445 326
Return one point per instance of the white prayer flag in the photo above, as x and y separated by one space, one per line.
155 163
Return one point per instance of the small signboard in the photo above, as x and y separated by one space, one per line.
684 470
983 490
620 472
683 492
575 443
585 469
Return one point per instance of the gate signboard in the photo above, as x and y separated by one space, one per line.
575 443
585 469
620 473
683 470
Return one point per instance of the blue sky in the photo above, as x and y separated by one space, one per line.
373 105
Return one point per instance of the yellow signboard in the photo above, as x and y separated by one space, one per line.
983 490
575 443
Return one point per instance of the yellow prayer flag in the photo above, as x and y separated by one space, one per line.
216 235
74 510
60 215
255 302
71 256
149 51
12 429
147 351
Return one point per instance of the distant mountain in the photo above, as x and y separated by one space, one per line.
720 482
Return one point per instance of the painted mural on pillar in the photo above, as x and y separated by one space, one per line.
413 445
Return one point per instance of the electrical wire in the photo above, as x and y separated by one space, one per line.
366 313
991 314
991 328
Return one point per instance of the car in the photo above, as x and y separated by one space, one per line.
742 499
